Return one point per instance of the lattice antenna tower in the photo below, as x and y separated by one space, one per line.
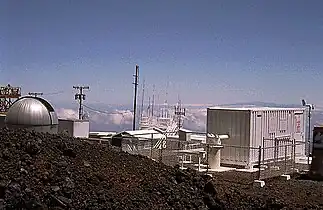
179 113
8 95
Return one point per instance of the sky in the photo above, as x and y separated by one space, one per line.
205 52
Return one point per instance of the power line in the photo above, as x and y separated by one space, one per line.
100 111
80 97
35 94
106 113
54 93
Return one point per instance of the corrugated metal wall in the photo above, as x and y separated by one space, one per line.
250 129
268 125
237 125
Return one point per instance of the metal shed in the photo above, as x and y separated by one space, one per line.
250 128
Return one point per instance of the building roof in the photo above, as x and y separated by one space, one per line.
256 108
143 134
32 111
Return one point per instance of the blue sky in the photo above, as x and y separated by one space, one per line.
209 51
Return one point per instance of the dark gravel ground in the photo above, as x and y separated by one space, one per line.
297 193
42 171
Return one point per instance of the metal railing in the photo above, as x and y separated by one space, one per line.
275 158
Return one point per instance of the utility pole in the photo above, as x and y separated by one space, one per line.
135 98
35 94
80 97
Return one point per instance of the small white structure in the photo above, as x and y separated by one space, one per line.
74 128
249 127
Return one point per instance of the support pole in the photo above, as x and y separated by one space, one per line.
259 162
135 98
80 97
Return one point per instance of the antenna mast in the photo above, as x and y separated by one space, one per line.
142 99
135 98
179 112
148 108
80 97
153 102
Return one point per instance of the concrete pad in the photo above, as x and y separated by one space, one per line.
285 177
222 169
259 183
249 170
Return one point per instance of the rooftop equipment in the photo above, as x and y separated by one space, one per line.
8 95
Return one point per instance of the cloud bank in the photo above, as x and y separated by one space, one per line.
118 119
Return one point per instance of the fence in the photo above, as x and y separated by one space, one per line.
276 157
281 156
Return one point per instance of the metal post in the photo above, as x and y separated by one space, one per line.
276 148
309 134
199 166
135 98
161 152
207 158
259 162
294 154
291 156
151 146
263 146
285 159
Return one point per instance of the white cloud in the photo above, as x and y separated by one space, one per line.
67 113
195 118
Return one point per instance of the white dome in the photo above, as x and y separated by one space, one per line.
31 111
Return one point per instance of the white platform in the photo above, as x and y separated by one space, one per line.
249 170
221 169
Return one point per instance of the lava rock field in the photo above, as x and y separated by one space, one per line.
44 171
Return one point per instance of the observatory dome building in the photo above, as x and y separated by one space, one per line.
32 113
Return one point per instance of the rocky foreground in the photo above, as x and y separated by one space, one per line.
43 171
